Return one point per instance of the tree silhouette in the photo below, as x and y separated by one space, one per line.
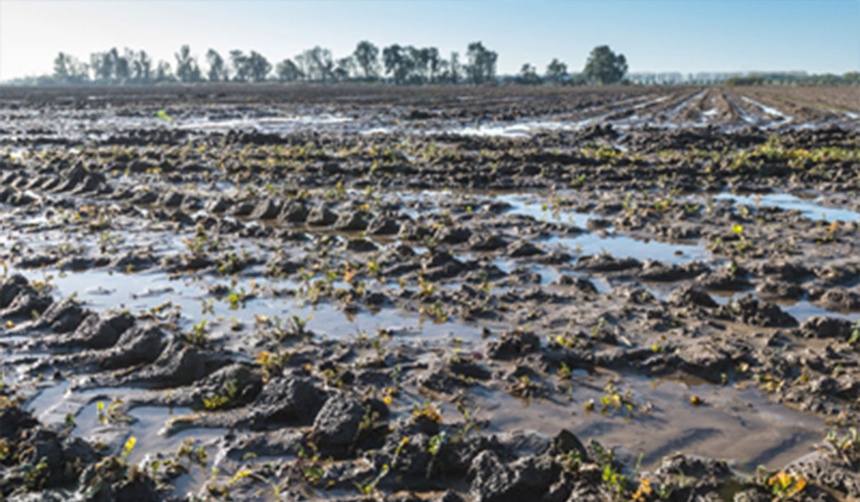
366 56
186 66
344 68
604 66
121 68
239 61
102 66
141 66
163 73
482 64
288 71
427 64
258 66
68 69
528 75
556 72
217 66
316 64
398 63
454 68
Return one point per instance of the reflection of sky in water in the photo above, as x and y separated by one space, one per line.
101 290
810 208
588 243
800 310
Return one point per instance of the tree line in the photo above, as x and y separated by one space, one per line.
396 64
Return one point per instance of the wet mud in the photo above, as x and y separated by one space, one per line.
436 294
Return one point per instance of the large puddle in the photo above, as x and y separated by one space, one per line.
663 420
812 207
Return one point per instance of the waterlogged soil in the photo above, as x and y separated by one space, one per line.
434 294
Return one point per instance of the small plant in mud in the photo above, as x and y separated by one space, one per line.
112 469
526 387
226 397
430 243
369 421
854 339
310 465
111 413
664 205
611 475
435 311
847 445
202 242
643 492
579 181
108 242
44 285
273 364
374 270
564 372
785 486
435 447
742 245
368 488
35 475
425 287
297 326
207 306
198 336
231 263
471 422
427 411
280 329
832 232
185 458
598 327
337 193
614 399
236 299
222 491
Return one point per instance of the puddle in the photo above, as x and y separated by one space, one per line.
810 208
589 243
270 125
528 128
528 205
685 103
144 291
767 109
621 246
146 423
800 310
720 428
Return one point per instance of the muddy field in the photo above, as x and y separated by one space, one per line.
453 294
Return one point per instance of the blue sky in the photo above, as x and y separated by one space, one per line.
655 35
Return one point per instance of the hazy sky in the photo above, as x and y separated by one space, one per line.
655 35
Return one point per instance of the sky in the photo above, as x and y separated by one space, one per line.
817 36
